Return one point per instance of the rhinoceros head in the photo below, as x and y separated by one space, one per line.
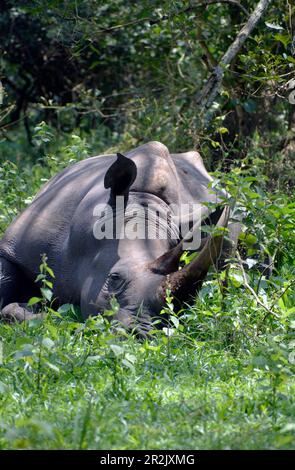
140 288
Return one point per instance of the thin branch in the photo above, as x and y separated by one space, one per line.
154 21
291 283
230 2
252 291
208 58
213 84
263 272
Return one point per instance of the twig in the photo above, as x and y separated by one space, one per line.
250 289
283 293
154 21
263 272
213 84
230 2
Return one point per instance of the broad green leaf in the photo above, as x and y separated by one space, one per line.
47 293
34 301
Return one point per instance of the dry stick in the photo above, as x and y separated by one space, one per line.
291 283
230 2
190 9
268 310
213 84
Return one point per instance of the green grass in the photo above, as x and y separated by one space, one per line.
66 385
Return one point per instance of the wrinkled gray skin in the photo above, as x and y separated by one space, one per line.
59 222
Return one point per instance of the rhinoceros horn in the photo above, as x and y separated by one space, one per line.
168 262
188 280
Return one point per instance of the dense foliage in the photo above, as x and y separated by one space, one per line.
136 68
86 77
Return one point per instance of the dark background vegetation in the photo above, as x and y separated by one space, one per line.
134 69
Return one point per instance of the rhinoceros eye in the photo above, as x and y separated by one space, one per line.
115 276
115 282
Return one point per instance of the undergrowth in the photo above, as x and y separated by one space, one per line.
220 375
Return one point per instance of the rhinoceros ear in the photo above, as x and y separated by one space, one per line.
120 175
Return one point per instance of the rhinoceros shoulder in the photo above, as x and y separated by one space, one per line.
191 164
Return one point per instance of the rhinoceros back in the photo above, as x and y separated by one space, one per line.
43 227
